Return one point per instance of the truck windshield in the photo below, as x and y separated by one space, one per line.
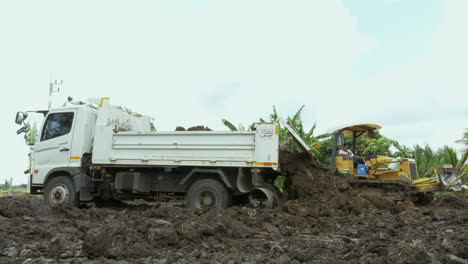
57 125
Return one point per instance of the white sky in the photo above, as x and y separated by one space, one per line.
195 62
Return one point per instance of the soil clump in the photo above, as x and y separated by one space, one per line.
194 128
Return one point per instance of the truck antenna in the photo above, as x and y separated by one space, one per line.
54 87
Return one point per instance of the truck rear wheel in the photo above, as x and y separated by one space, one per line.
207 193
60 190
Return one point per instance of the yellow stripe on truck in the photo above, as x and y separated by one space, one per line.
266 163
74 158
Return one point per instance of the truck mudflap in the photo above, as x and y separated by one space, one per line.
260 194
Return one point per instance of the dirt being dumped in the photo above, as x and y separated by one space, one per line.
324 221
322 191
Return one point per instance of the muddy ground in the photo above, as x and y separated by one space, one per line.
323 221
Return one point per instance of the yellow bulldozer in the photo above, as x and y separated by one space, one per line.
394 177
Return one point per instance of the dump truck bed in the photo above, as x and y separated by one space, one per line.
258 148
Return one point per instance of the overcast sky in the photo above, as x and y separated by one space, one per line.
398 63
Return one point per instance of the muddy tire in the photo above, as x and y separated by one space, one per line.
60 190
207 193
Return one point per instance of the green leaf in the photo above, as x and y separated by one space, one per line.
229 125
274 116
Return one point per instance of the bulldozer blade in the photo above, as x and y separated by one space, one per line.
449 177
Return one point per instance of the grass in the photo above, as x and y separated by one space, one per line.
19 192
14 190
464 192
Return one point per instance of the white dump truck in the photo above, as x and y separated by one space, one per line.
95 151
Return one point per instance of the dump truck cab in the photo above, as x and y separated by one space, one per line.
60 146
65 136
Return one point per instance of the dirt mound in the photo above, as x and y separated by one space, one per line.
322 191
194 128
11 207
309 179
451 201
169 233
199 128
324 221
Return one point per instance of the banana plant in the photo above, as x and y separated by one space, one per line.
232 127
31 133
402 151
30 137
378 146
295 122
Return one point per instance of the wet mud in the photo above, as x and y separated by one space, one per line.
323 220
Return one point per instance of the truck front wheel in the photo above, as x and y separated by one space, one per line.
207 193
60 190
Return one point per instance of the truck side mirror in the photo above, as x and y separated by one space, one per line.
20 117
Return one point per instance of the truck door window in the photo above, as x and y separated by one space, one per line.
57 125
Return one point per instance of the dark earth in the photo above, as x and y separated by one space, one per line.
324 220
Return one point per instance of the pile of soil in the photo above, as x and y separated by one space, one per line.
169 233
324 191
324 221
194 128
452 201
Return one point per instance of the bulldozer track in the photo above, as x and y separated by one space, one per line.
391 190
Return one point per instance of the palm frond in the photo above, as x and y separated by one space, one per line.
462 161
464 139
448 155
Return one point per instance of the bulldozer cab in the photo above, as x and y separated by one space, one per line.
353 132
378 166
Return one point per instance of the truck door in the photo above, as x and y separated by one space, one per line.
54 146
